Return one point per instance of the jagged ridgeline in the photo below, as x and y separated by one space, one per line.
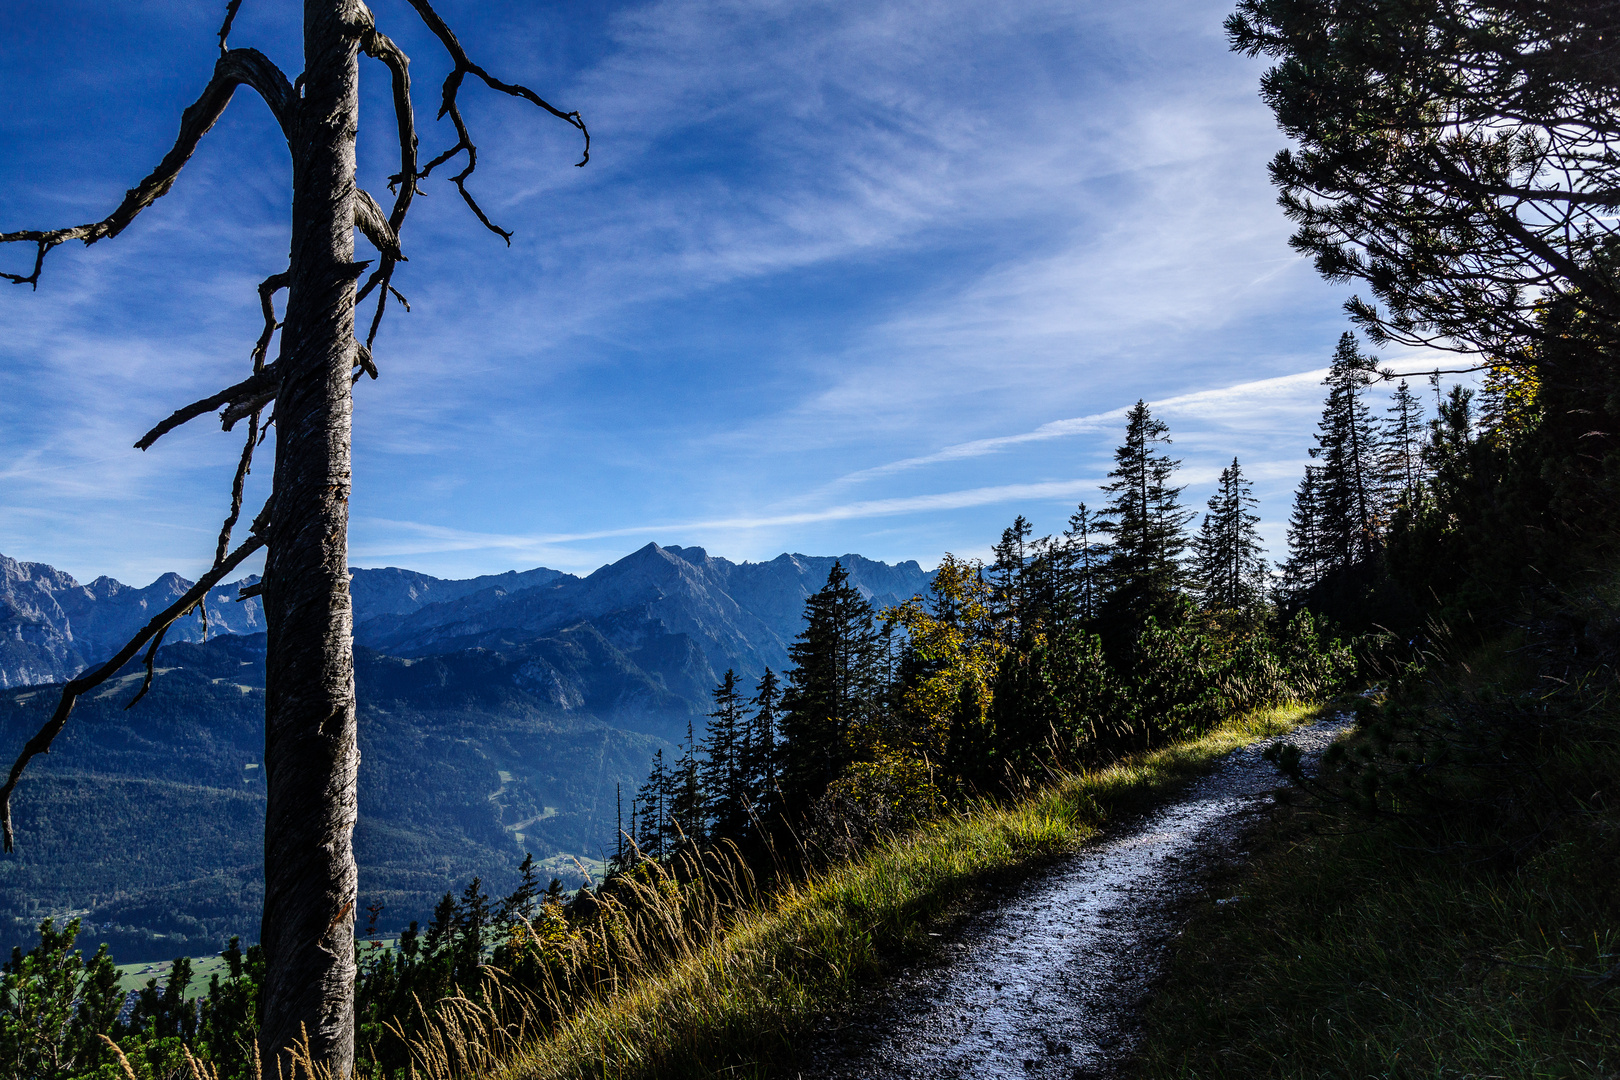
499 715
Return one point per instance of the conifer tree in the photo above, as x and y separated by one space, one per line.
687 805
760 751
1009 573
1403 447
721 771
1084 560
835 686
1306 558
1349 446
653 814
1228 562
1145 518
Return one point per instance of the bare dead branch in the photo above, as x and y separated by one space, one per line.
267 293
253 388
368 218
249 407
76 688
230 17
236 67
243 467
151 669
449 104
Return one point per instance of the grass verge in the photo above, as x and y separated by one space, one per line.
738 1006
1464 944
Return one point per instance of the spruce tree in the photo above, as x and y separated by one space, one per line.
1349 446
835 687
1229 566
687 806
1083 564
1403 447
721 770
651 810
759 765
1009 573
1145 519
1306 558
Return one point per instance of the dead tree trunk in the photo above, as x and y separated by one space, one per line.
312 758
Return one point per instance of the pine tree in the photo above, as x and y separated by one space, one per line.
687 806
1145 519
1349 445
835 687
1009 574
653 816
1227 552
1403 447
721 771
1084 561
761 783
1306 558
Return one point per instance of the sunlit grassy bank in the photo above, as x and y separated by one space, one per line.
1471 933
738 1004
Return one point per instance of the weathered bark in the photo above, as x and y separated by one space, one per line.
311 755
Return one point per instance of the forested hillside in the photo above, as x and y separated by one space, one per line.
477 745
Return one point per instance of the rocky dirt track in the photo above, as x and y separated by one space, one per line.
1050 983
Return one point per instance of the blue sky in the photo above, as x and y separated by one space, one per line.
840 276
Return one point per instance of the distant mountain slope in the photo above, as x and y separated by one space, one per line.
497 715
681 615
51 627
678 614
151 821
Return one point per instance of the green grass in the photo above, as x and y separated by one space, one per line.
737 1006
1477 944
135 976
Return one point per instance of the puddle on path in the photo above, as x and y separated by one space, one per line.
1050 983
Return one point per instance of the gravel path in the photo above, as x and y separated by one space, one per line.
1050 983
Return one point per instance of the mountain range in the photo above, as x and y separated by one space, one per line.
681 615
498 715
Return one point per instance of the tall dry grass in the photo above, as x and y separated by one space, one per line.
691 970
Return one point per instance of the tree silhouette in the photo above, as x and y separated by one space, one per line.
311 757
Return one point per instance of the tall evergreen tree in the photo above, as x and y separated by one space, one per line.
1349 446
1083 565
721 771
759 765
1010 575
652 810
687 806
835 686
1229 566
1145 518
1306 556
1403 447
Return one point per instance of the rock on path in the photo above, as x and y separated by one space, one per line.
1050 983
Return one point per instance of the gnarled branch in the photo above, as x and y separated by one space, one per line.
368 218
236 67
449 104
257 386
76 688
